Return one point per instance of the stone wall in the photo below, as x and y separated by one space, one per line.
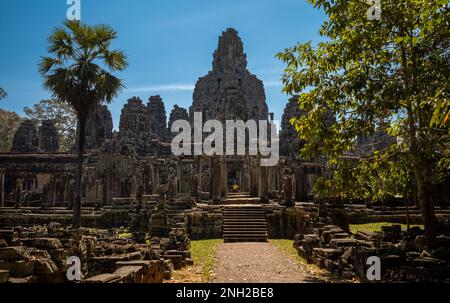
205 222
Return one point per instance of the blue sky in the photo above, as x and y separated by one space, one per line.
169 43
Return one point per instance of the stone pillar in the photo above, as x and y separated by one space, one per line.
263 184
2 190
224 176
301 190
245 179
254 186
216 179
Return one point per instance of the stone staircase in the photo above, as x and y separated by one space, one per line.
240 198
244 223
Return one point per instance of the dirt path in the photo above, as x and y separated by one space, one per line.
257 263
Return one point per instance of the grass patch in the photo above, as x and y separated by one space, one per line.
287 246
374 227
203 252
125 235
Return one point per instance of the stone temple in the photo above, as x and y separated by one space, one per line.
132 180
228 92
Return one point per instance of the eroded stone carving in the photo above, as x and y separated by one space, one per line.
230 91
26 139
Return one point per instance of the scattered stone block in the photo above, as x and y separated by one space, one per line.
189 262
365 244
4 276
346 242
43 243
38 253
347 255
103 278
26 280
365 235
130 274
19 269
45 267
176 260
391 261
426 262
14 253
327 253
7 234
168 269
393 232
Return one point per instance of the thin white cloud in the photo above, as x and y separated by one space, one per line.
162 88
268 71
273 83
182 87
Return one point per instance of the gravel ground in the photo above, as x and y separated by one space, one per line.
257 263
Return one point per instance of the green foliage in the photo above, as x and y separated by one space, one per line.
9 123
384 175
203 253
441 114
62 114
287 247
78 71
376 227
366 74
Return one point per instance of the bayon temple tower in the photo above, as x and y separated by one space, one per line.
138 155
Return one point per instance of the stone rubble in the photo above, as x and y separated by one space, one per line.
401 255
39 255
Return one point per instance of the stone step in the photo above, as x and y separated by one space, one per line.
244 229
245 234
261 237
244 226
238 194
244 240
244 211
244 223
241 200
239 216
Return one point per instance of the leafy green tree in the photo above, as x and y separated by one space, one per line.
9 123
78 74
393 70
62 114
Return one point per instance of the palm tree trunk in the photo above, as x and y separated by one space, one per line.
76 221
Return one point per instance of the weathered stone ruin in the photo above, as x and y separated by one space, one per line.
290 142
178 113
230 91
99 129
142 129
158 119
402 254
26 139
141 205
48 137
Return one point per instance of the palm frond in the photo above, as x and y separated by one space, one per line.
74 75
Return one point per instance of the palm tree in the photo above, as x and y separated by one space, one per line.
78 73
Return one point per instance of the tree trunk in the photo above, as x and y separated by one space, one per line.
425 196
76 221
408 225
